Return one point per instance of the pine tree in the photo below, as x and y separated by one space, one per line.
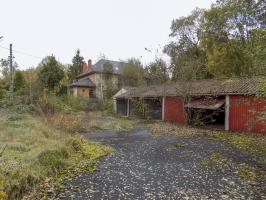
76 67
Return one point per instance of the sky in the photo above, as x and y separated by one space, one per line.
118 29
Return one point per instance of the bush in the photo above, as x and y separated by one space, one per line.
68 123
34 151
54 160
49 104
109 106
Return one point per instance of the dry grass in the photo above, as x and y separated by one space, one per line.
162 128
111 123
33 151
92 121
244 141
247 142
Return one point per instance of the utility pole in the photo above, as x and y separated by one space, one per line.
11 86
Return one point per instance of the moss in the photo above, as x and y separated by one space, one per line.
204 163
179 145
250 174
94 150
216 161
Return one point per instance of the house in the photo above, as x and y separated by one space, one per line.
232 104
91 82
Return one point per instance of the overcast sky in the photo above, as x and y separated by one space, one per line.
119 29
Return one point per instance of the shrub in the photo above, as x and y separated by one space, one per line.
49 103
109 106
68 123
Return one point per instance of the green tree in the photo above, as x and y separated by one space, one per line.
19 80
76 67
188 59
50 73
110 86
233 36
4 68
108 70
133 73
156 72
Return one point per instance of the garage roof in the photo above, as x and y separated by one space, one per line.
242 86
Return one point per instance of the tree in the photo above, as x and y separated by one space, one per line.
232 37
133 73
5 70
108 76
156 72
76 67
5 73
108 71
188 59
50 73
19 81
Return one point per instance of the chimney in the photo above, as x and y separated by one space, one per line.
85 68
89 65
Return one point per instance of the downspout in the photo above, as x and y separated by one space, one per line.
227 112
115 104
163 107
127 107
102 85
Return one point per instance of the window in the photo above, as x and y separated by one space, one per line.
91 92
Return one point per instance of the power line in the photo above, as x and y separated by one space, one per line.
22 53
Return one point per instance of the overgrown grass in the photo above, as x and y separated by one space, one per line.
92 121
247 142
111 123
31 151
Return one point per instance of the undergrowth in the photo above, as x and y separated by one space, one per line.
111 123
32 150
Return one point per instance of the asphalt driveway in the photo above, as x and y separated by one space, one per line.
148 167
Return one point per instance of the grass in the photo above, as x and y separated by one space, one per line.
249 173
32 150
92 121
247 142
111 123
162 128
244 141
216 161
219 162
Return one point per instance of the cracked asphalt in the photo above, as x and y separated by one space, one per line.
149 167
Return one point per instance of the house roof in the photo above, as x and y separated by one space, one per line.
99 66
203 87
83 83
117 66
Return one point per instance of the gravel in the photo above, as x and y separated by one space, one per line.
148 167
